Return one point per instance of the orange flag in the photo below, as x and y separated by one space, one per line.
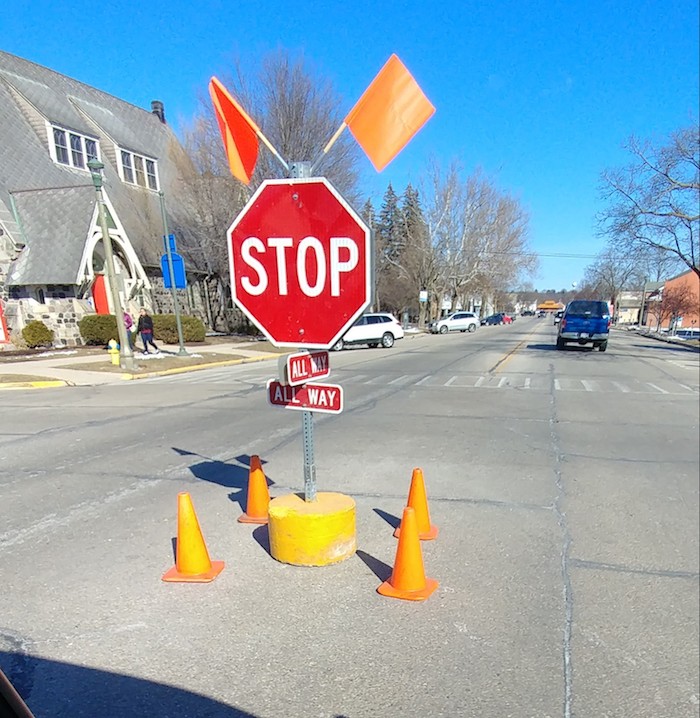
238 131
391 110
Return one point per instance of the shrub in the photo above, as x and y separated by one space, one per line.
98 329
165 328
37 334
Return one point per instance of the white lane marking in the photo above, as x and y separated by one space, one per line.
587 385
527 382
658 388
376 380
502 382
689 388
357 377
621 387
479 381
683 365
401 378
557 385
424 380
450 381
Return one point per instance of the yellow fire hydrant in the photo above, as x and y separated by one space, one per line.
113 349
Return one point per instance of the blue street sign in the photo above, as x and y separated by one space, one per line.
178 270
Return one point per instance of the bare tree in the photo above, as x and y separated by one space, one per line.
215 196
298 111
478 232
611 274
675 302
654 202
655 265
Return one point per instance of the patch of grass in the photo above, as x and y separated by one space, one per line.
16 378
265 346
160 362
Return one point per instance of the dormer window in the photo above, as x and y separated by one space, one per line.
72 149
138 170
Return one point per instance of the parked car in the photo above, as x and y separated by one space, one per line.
585 322
496 319
457 322
527 313
685 334
372 329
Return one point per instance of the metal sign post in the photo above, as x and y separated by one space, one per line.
307 425
299 170
301 228
171 271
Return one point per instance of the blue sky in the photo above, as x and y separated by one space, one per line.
541 95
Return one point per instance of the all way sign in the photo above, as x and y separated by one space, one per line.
299 368
326 398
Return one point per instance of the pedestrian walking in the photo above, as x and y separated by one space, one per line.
145 329
129 325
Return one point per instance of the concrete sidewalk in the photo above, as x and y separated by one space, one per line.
61 368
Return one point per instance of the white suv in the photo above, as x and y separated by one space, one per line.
373 329
457 322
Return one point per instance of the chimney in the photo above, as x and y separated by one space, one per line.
158 110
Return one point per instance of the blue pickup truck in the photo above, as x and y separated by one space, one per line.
585 322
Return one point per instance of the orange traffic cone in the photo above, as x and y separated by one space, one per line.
192 562
258 500
408 579
418 501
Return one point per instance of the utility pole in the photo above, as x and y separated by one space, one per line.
171 272
641 309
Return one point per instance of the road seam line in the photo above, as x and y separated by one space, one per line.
563 523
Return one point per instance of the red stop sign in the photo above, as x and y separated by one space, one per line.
300 261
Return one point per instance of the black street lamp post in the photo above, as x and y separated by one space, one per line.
126 355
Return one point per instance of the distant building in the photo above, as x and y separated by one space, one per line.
51 254
688 320
629 305
550 305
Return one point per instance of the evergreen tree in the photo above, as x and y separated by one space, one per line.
414 228
418 257
389 227
368 214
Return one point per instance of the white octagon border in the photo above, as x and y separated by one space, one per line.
369 261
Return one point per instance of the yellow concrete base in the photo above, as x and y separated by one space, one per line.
316 533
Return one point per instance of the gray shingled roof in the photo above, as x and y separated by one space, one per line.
56 203
69 213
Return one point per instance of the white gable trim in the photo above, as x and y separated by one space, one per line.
119 238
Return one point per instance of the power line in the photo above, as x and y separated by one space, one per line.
549 255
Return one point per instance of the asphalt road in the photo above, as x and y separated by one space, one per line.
564 485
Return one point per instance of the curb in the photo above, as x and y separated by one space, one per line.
49 384
662 339
197 367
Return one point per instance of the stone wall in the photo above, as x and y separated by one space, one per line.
59 315
203 298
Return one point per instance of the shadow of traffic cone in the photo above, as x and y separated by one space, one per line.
418 501
258 501
408 579
192 563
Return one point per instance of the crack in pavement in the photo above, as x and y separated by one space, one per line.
566 543
621 568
